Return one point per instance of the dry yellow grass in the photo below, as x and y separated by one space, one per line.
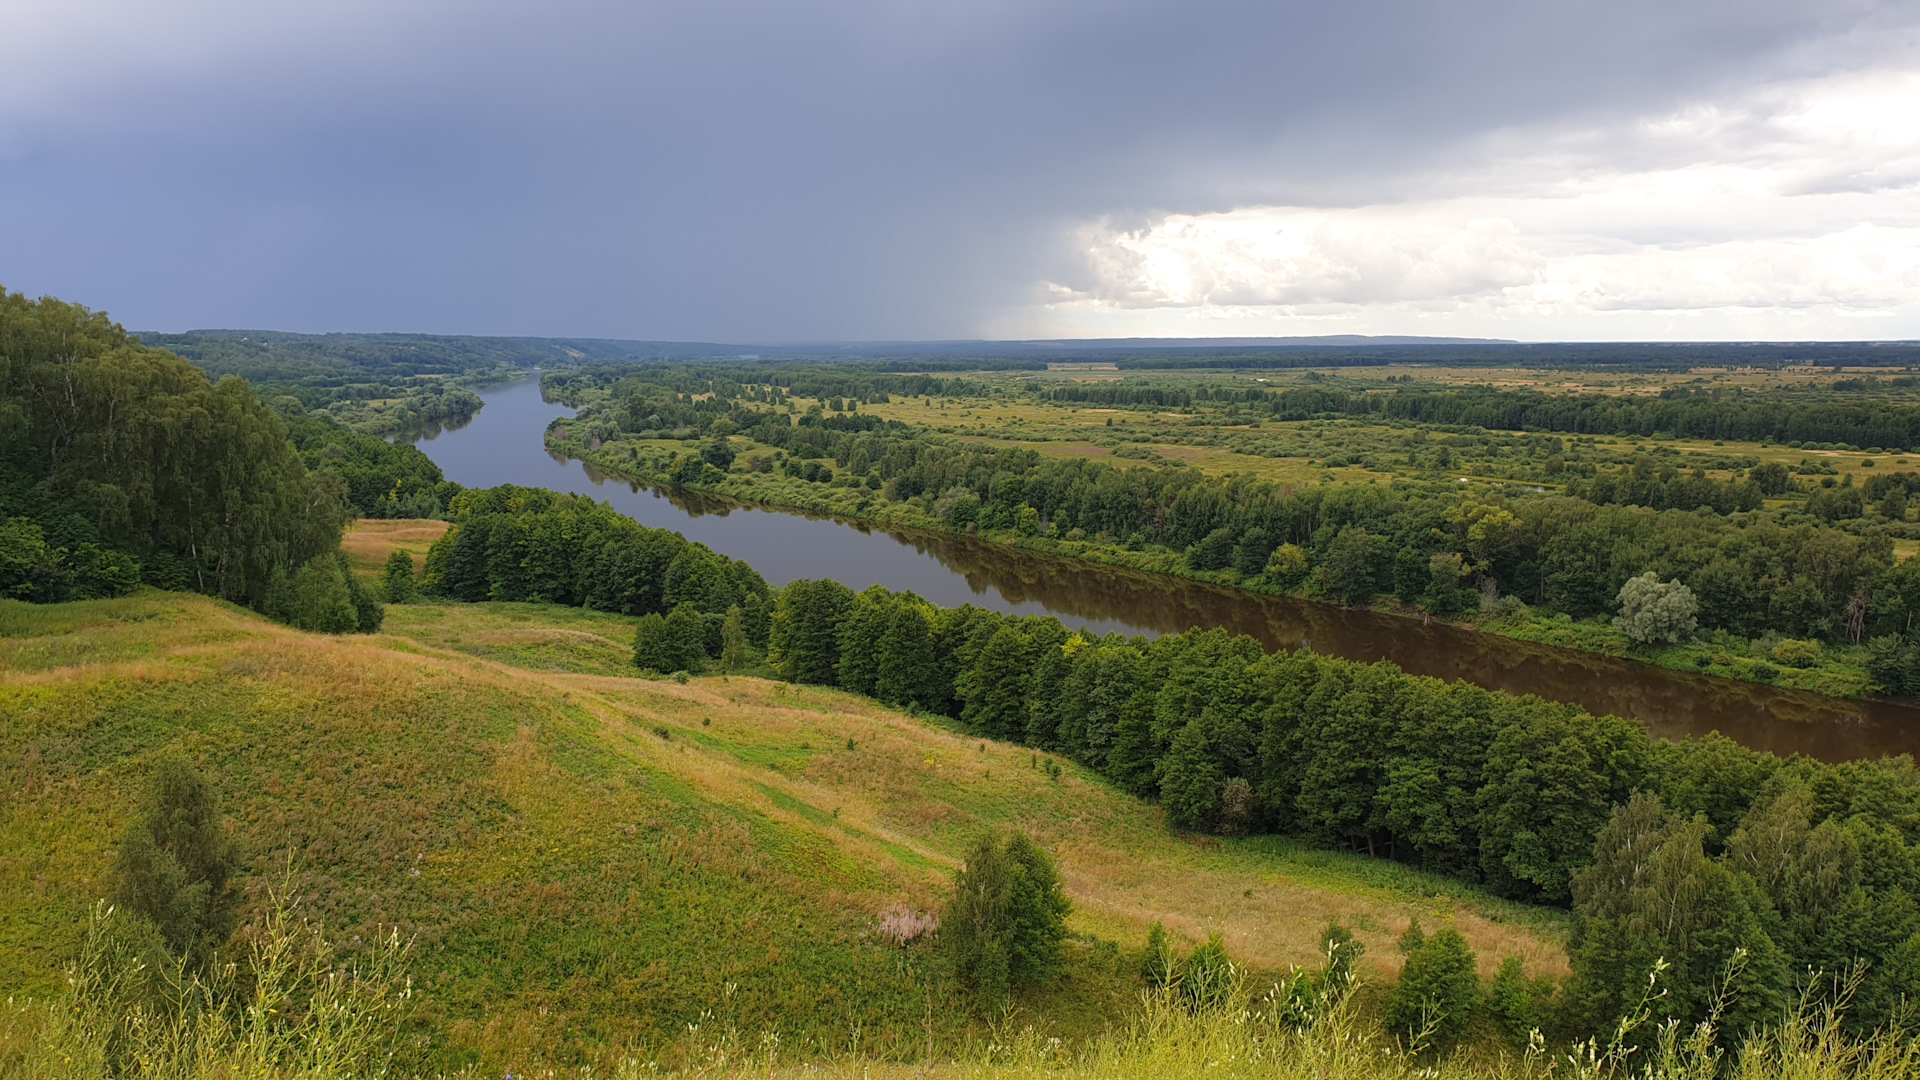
369 542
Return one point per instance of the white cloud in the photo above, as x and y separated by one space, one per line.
1794 209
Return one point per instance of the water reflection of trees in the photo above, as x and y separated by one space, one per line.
432 429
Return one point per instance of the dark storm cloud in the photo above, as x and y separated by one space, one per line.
763 170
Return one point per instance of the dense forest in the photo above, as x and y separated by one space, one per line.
123 464
510 543
1804 866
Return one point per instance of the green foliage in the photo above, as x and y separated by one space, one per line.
805 633
1578 519
325 597
1652 611
372 383
1006 919
382 479
398 579
1437 997
1157 962
25 559
1288 564
175 866
527 544
1206 979
1794 653
1652 894
736 651
1517 1004
131 462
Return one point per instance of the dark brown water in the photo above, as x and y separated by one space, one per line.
503 445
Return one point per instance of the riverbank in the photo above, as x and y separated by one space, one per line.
1838 672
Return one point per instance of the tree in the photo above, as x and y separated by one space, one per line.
1652 611
674 642
994 689
1250 555
26 563
1438 993
686 633
398 578
318 599
653 649
804 640
1214 551
1652 894
1516 1003
162 463
368 612
1350 572
1771 478
1288 565
1006 919
1206 976
718 453
735 651
175 866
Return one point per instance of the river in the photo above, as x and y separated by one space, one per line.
504 444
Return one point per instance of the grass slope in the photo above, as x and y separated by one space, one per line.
591 862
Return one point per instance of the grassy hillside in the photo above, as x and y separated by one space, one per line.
591 861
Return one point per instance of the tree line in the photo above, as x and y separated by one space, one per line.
1678 851
533 545
1796 416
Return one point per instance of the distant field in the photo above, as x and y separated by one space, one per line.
589 858
369 542
1069 429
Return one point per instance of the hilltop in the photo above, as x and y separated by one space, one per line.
590 860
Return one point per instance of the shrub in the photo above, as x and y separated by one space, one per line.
1006 920
1205 980
1516 1003
1156 963
1796 653
1438 993
175 865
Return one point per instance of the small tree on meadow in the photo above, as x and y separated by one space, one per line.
1438 992
1206 976
1006 920
175 866
1157 963
1654 611
1517 1003
399 580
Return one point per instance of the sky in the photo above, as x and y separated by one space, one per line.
811 170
